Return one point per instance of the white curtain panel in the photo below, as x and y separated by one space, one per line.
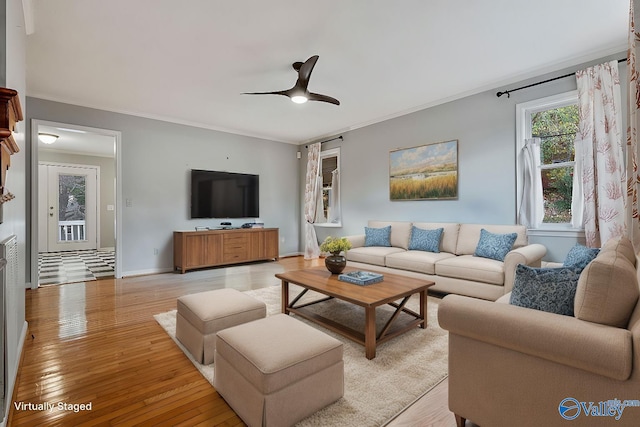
531 206
603 166
577 199
334 214
633 117
320 218
311 248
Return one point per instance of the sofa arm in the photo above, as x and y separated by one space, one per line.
356 240
529 255
600 349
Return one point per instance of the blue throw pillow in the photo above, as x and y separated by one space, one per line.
377 236
546 289
494 246
580 256
425 240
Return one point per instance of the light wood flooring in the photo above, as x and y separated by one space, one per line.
97 344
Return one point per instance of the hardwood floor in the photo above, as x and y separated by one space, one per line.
97 344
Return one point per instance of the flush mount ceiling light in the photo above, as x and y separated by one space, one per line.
47 138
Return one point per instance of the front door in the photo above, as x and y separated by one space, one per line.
68 207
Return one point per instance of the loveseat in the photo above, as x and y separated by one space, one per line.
513 365
452 263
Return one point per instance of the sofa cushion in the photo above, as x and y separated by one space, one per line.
579 256
607 289
400 232
494 246
472 268
425 240
623 246
469 236
546 289
419 261
371 255
449 234
377 236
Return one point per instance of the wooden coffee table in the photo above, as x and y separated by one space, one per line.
389 291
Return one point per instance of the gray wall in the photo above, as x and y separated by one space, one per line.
107 188
3 43
156 159
485 127
12 47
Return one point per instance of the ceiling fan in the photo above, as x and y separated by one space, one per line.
299 93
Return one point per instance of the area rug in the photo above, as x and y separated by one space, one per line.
375 391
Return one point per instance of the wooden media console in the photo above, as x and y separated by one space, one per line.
210 248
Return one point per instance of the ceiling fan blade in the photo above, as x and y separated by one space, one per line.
323 98
305 72
278 92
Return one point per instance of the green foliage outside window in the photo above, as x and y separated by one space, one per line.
71 197
557 129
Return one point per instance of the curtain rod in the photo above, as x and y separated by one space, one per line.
327 140
508 92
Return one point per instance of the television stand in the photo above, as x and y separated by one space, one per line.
212 248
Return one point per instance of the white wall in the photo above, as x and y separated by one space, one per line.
156 159
485 128
15 210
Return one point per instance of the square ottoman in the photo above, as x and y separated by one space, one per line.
203 314
277 370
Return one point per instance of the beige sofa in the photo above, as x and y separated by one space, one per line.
510 365
454 269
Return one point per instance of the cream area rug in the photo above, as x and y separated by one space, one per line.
375 391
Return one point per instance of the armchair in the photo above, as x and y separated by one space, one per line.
510 365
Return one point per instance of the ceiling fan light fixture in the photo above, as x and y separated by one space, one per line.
299 99
47 138
300 93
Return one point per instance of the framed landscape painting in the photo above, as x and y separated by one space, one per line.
426 172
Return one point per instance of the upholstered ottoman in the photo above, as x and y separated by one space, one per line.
276 371
203 314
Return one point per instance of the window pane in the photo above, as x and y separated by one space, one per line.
556 128
557 186
328 165
71 207
557 149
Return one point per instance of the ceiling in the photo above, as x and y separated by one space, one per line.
73 140
189 62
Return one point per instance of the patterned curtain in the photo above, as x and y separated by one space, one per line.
600 140
531 209
633 117
311 249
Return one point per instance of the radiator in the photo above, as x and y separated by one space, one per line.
9 279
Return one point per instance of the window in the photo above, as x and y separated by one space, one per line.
553 121
328 212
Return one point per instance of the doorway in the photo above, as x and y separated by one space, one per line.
81 165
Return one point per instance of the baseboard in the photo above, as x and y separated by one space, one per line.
169 270
12 380
292 254
146 272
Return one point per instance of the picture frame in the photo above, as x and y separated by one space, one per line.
424 172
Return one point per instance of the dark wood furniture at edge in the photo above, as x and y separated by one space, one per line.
210 248
389 291
10 114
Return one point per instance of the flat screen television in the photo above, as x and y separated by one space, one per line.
224 194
